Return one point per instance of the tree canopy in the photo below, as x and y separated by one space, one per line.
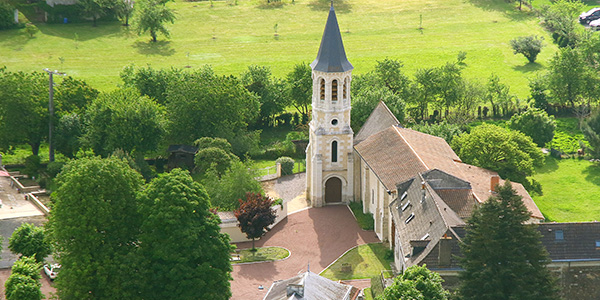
122 119
590 127
30 240
536 124
416 283
299 88
510 153
182 254
503 258
24 281
151 16
255 215
226 190
94 223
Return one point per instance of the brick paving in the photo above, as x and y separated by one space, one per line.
317 236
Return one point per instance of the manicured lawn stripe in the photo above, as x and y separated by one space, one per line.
365 261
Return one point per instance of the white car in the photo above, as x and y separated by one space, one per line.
51 270
589 16
595 24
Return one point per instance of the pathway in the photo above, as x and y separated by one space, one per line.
317 236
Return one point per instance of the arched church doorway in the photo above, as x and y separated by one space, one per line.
333 190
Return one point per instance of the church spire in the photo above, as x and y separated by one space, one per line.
331 56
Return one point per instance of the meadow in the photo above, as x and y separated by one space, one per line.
231 37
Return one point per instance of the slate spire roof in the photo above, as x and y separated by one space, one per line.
331 57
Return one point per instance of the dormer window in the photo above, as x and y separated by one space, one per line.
410 218
334 90
322 93
405 206
403 196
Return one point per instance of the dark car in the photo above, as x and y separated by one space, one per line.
591 15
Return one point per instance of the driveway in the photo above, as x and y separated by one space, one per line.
317 236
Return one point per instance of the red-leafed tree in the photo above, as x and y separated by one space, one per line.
255 215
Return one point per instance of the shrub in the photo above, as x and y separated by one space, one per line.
287 165
529 46
536 124
32 165
54 168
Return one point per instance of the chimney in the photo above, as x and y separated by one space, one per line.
445 251
494 181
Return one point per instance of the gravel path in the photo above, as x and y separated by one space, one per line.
291 188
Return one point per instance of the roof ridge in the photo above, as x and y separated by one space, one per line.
412 149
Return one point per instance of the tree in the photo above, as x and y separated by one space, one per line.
270 92
426 87
389 73
444 130
225 191
538 87
299 88
30 240
498 94
529 46
124 10
72 95
510 153
149 81
7 15
123 119
204 104
180 245
591 130
94 223
416 283
569 76
151 17
68 134
24 281
503 258
213 157
255 215
536 124
24 109
365 101
95 8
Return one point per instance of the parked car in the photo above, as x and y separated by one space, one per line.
591 15
51 270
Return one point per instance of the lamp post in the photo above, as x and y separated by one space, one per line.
51 111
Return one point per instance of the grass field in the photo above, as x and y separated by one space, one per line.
571 189
232 37
365 261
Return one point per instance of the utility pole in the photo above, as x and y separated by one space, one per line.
51 112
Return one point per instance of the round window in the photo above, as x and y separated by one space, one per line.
334 122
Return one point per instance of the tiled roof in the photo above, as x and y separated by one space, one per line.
579 240
313 286
397 154
381 118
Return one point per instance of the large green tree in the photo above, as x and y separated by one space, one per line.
535 123
270 92
590 127
510 153
94 223
205 104
30 240
226 190
182 253
24 281
151 16
503 258
122 119
23 109
365 101
416 283
570 79
299 88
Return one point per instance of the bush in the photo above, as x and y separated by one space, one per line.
529 46
536 124
54 168
287 165
7 17
32 165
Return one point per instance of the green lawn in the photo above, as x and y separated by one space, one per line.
365 221
262 254
232 37
261 164
571 189
365 261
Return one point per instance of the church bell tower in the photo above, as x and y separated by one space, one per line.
329 155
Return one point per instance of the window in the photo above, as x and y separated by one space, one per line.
403 196
405 206
372 196
334 90
412 216
558 235
597 244
345 88
334 122
334 151
322 89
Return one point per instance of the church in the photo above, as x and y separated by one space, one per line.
414 185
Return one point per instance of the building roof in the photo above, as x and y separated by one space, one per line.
571 241
381 118
182 148
310 286
422 217
397 154
331 57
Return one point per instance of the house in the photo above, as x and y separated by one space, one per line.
181 156
309 285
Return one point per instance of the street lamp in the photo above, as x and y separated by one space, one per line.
51 112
